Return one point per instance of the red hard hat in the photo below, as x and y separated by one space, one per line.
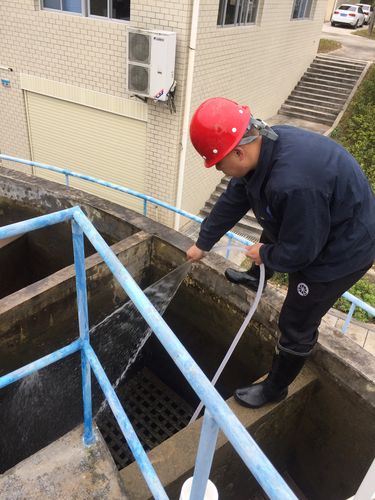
217 127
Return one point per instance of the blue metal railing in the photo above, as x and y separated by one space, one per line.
355 301
217 415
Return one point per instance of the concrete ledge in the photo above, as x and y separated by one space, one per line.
174 459
68 273
65 469
346 362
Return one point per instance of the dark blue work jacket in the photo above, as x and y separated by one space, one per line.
312 200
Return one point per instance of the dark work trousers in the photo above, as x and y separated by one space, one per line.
305 305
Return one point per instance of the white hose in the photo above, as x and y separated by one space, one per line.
236 338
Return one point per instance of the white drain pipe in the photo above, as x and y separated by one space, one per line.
211 492
187 105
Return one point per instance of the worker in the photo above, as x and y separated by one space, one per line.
317 212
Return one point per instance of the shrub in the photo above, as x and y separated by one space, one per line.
356 130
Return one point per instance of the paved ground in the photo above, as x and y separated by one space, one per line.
65 469
321 128
353 47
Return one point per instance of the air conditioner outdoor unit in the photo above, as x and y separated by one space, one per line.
151 61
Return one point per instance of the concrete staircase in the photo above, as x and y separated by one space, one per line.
323 90
247 227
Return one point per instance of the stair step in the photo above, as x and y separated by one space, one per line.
247 223
334 63
333 77
307 94
326 81
249 217
323 89
317 113
329 69
312 104
341 61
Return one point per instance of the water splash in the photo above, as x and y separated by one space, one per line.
128 324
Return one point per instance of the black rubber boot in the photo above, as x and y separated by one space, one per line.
285 368
249 278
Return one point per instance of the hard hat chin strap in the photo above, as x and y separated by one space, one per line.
264 129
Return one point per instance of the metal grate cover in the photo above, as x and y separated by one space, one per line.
155 411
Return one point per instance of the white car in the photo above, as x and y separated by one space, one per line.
349 15
368 11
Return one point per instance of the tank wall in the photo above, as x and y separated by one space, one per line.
43 316
333 442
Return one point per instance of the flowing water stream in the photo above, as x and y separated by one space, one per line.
127 323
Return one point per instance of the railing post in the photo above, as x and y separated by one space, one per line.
348 319
228 247
205 454
79 263
67 180
145 207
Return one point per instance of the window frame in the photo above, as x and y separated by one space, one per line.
49 9
303 17
238 14
109 11
85 11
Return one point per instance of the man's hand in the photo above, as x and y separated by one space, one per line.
253 253
194 254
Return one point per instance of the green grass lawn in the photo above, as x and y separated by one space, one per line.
364 32
326 45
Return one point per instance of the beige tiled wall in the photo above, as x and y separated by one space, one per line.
258 65
331 5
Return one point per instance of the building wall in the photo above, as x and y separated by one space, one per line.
257 65
90 53
331 6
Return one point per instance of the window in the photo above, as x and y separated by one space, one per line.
237 12
112 9
65 5
115 9
302 9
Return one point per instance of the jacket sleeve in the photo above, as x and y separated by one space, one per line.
227 211
304 216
